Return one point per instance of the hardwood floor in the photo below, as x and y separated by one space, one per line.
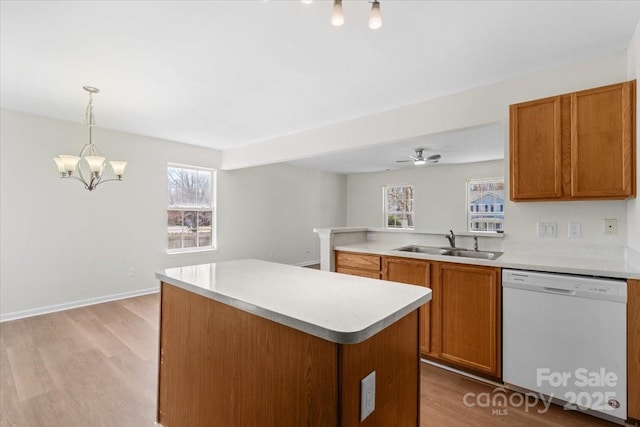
97 366
91 366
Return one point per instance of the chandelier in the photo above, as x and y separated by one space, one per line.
90 160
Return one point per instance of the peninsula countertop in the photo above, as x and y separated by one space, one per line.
339 308
616 268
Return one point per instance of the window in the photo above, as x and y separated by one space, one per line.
190 214
398 206
485 204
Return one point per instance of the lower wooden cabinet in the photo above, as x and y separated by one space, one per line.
466 317
413 272
633 349
461 325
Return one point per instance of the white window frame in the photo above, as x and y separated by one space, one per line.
385 213
468 204
211 208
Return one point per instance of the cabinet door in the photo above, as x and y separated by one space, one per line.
466 327
413 272
602 127
536 149
633 348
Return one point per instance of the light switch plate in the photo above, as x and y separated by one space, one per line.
367 395
547 229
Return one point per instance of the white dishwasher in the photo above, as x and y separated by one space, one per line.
565 337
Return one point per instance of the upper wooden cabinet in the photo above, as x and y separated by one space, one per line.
576 146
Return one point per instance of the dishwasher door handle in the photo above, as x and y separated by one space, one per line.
559 291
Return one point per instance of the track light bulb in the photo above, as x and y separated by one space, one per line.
375 18
337 16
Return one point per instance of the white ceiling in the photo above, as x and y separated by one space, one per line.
226 73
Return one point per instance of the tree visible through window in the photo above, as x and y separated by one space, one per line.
485 204
398 206
190 216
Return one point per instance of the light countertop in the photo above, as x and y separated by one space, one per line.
617 268
337 307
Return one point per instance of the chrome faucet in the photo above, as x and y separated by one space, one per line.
451 238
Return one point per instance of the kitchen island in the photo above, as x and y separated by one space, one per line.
250 342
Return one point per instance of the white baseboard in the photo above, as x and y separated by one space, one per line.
307 263
5 317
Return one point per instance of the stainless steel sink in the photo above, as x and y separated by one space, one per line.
465 253
423 250
474 254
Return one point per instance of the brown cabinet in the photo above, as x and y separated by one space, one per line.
577 146
633 349
356 264
413 272
466 317
222 366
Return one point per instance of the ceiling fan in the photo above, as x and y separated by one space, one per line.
419 159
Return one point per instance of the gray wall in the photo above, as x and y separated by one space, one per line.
61 245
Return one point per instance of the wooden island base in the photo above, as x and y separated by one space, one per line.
221 366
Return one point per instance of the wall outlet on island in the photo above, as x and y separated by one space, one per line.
367 395
371 236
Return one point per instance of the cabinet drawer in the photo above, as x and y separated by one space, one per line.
361 261
361 273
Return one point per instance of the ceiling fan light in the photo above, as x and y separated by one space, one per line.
375 18
419 162
337 16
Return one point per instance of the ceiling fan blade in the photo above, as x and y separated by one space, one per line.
434 158
403 161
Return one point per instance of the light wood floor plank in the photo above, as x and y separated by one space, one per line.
97 366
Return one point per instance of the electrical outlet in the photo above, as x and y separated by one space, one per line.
371 236
547 229
131 271
610 226
575 230
367 395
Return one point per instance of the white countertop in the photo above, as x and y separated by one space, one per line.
617 268
337 307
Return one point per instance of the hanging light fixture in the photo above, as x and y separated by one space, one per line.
375 18
337 16
72 166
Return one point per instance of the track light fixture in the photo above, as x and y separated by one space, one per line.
337 14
